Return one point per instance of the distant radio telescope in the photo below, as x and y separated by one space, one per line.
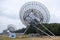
11 27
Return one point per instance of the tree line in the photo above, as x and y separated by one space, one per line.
53 27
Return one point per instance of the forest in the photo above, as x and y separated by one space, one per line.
53 27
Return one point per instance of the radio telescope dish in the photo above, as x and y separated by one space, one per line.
34 13
34 10
11 28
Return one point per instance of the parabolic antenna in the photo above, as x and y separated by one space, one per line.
34 10
11 28
33 13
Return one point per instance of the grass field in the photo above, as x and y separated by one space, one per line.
32 38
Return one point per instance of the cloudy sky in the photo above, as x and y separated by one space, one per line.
9 12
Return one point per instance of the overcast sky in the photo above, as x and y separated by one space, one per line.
9 12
